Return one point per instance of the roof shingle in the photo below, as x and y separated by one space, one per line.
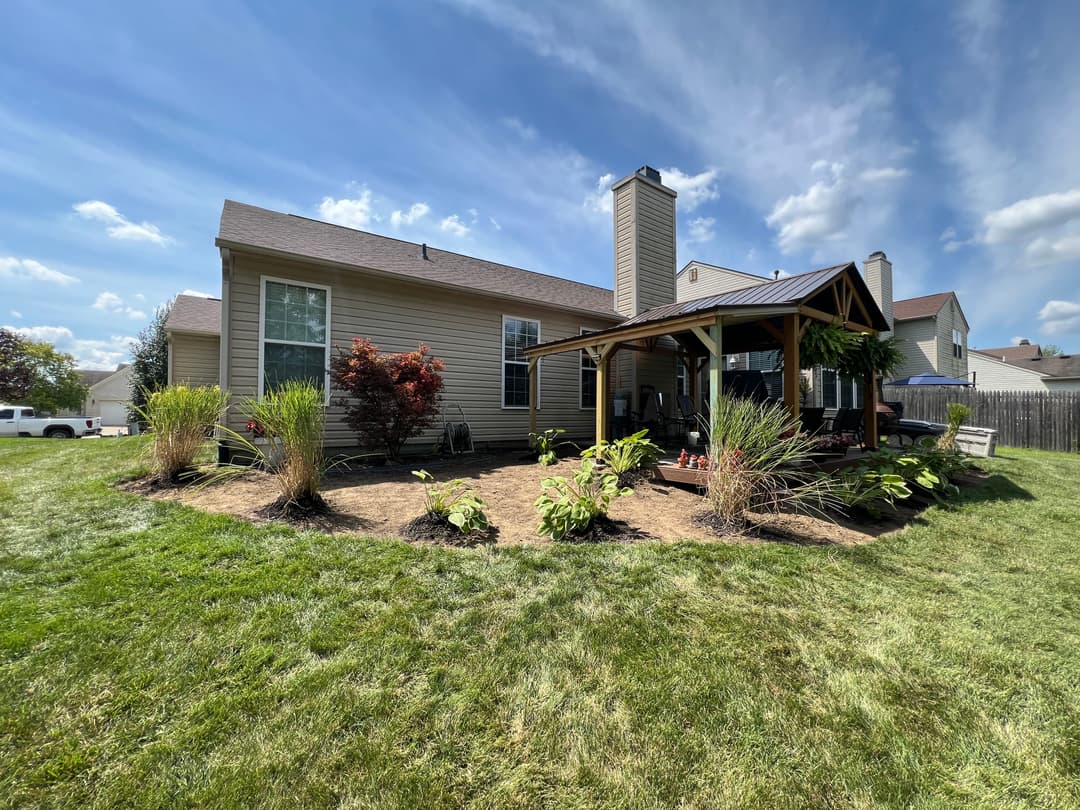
192 313
248 226
1007 354
925 306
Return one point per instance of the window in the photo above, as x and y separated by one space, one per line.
588 377
295 340
840 390
768 363
693 274
518 335
957 344
680 379
7 413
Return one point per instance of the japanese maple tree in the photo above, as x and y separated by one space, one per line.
390 397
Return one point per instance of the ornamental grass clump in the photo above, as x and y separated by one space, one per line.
756 450
181 419
956 415
291 418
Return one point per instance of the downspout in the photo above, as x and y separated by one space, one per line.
223 344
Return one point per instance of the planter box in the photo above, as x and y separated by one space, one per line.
976 441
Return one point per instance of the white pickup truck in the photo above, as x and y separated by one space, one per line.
19 420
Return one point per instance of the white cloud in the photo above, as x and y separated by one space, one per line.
780 273
519 127
600 200
1047 251
694 189
139 297
947 235
883 174
1031 214
113 304
702 229
102 354
1060 317
352 213
494 224
30 270
416 212
819 214
454 226
196 293
117 225
16 314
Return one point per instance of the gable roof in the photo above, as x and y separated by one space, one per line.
1007 354
247 226
89 377
925 306
695 263
195 314
1063 366
123 370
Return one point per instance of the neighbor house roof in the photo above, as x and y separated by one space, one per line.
90 377
195 314
246 226
1067 365
925 306
696 263
1007 354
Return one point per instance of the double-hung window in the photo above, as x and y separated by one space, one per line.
957 344
517 335
840 390
295 334
588 378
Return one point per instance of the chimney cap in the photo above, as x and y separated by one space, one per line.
877 254
1024 342
651 173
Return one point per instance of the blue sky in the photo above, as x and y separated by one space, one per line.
797 134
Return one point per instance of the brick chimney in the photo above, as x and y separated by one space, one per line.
644 212
878 272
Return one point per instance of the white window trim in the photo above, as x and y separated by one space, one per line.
503 361
262 330
596 369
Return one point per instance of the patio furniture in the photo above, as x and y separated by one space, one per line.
813 420
849 422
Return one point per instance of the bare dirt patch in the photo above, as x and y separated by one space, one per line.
379 501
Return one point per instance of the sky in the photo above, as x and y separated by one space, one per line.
798 135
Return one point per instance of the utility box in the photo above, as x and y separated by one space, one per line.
976 441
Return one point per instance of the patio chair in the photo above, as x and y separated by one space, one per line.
812 419
849 422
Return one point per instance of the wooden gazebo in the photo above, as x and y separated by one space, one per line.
765 317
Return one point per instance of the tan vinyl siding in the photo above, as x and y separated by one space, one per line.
918 341
656 247
711 281
464 330
194 359
625 251
949 318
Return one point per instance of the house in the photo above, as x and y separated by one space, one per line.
932 331
110 396
294 290
1023 368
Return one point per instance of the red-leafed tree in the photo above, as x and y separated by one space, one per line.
391 397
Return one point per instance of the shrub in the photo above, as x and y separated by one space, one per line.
569 506
627 455
956 415
291 417
391 397
454 502
547 447
181 419
922 465
755 450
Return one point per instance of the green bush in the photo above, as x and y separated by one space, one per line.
756 450
923 466
870 489
569 506
181 419
455 502
626 455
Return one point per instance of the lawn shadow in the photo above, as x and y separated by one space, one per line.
994 487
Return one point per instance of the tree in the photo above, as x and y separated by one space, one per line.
150 361
16 374
390 397
56 385
1051 350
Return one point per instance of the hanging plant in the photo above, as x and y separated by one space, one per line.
822 344
883 357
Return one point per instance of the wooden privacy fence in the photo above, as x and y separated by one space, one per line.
1034 419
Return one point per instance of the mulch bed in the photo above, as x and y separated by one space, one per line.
606 530
430 528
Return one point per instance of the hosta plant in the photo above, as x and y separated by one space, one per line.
626 455
548 445
455 502
570 505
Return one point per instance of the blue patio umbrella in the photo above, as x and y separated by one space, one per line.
929 379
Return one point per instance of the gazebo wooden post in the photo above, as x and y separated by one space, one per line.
603 355
792 371
716 365
870 434
692 380
533 390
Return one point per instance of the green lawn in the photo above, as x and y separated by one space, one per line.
153 655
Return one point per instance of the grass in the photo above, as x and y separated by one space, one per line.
154 655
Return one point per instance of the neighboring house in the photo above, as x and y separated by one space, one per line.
110 396
1023 368
194 335
932 332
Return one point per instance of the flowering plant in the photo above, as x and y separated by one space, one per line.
255 429
834 443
